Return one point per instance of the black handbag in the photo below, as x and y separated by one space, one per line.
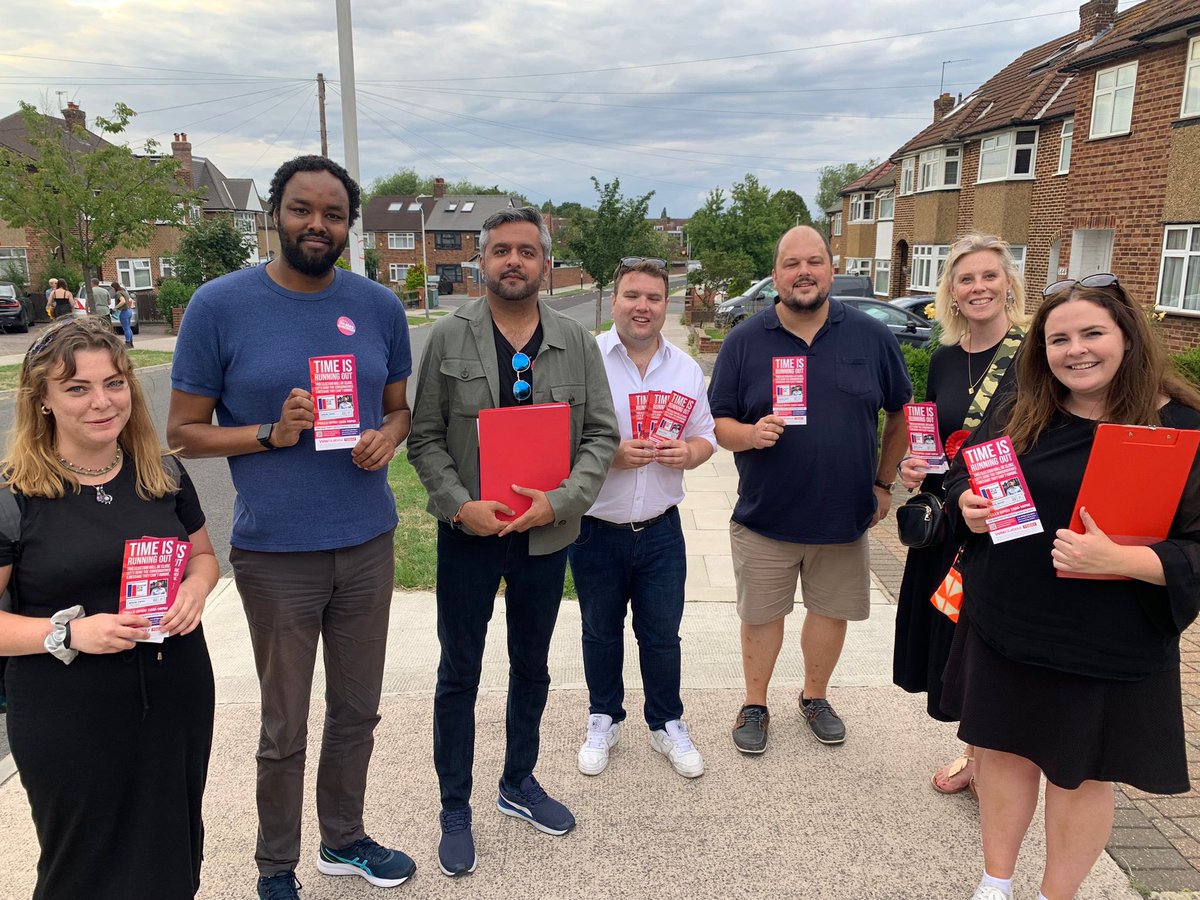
922 521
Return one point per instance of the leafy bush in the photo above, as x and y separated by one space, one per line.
917 359
172 293
64 273
1188 364
415 279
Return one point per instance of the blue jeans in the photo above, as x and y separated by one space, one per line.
468 574
125 316
616 567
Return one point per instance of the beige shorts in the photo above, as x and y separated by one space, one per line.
834 579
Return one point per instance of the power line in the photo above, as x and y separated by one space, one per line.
111 65
286 126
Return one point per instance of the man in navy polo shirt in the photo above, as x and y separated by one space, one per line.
796 395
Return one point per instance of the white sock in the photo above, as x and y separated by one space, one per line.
1004 884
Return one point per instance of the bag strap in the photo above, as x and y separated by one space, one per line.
991 379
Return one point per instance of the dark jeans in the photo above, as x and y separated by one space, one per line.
468 575
616 567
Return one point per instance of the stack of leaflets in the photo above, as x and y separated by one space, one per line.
996 475
659 416
150 577
923 439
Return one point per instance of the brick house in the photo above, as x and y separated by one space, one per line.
142 268
867 211
1122 197
674 231
450 225
836 219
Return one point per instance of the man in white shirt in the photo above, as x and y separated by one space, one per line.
630 550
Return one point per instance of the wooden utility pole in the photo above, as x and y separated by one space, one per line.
321 105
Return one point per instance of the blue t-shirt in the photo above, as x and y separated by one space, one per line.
246 342
815 485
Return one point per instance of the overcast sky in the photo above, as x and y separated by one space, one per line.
534 95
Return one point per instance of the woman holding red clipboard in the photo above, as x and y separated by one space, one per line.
1074 679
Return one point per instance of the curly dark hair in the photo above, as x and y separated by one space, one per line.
312 164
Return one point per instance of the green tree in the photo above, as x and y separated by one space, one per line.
748 224
371 263
209 248
721 274
84 194
407 182
664 214
831 180
619 228
792 209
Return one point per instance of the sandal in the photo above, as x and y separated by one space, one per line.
948 771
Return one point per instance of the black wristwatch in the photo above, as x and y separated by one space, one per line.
884 485
264 435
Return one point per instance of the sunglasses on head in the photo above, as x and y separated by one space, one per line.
630 261
1099 280
522 389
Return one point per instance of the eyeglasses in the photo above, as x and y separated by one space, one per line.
630 262
1099 280
522 389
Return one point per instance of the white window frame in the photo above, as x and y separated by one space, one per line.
837 224
1019 253
368 240
935 165
883 267
858 265
1190 105
128 271
10 255
402 240
1189 267
1104 100
1001 151
908 175
862 207
166 267
246 224
928 261
1064 147
885 198
398 272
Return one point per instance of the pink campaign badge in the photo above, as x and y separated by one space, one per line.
346 325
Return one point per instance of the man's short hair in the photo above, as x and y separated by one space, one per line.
824 240
646 267
95 281
515 214
312 164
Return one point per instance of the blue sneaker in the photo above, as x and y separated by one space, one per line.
456 851
531 803
379 865
284 886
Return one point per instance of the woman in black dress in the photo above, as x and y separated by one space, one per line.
61 302
111 737
980 302
1074 679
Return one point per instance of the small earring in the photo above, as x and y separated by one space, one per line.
1010 301
45 411
954 309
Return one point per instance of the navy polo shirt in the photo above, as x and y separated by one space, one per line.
815 486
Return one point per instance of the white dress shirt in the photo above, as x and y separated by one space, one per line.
634 495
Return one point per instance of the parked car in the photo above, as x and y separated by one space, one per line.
16 312
735 309
917 304
907 327
852 286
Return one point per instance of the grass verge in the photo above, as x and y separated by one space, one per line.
140 358
416 534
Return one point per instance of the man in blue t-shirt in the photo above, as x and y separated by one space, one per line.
312 527
796 394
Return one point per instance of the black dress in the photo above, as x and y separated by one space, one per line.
1079 676
923 635
112 749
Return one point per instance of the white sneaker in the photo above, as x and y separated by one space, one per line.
989 892
602 735
673 741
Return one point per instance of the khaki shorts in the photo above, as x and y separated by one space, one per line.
835 579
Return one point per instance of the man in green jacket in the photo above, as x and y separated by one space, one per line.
505 349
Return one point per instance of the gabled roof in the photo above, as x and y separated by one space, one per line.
465 212
14 136
1137 28
833 209
882 176
395 213
221 194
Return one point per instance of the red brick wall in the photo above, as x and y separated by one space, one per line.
1047 212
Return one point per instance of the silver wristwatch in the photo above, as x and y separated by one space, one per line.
58 641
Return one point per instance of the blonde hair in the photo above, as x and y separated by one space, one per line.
955 327
30 464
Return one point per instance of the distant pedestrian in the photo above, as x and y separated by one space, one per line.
61 300
101 300
123 307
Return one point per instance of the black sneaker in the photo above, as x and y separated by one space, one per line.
750 729
456 852
284 886
825 724
535 806
367 859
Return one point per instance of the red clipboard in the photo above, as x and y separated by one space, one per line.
525 445
1134 478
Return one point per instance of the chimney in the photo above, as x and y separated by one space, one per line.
941 106
74 116
439 188
181 150
1096 16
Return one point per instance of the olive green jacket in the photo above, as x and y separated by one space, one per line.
459 376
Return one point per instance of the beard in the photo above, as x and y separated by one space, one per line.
514 292
795 304
306 263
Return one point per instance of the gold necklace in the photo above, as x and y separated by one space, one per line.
973 382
